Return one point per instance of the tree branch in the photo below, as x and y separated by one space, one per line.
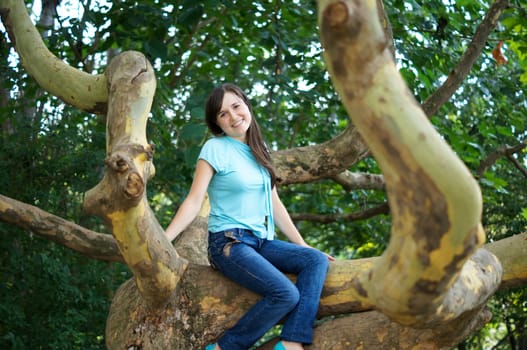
75 87
432 104
436 216
92 244
503 151
329 218
120 197
307 164
360 181
218 303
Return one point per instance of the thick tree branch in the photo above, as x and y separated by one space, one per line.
436 216
307 164
92 244
219 303
120 197
82 90
432 104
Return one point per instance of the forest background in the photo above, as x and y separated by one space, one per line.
53 298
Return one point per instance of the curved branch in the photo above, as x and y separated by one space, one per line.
436 214
432 104
120 197
310 163
92 244
75 87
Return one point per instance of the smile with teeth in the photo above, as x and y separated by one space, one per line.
237 123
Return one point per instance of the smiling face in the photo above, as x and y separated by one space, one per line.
234 117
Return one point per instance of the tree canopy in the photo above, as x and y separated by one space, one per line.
469 76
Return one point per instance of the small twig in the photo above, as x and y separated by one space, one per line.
329 218
503 151
432 104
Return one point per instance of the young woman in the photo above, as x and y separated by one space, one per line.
235 168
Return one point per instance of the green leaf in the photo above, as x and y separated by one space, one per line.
524 213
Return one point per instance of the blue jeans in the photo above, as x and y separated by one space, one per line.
259 265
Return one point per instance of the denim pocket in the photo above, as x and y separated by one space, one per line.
233 238
220 244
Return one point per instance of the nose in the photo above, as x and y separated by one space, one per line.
232 113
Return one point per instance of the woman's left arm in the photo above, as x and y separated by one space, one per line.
284 222
286 225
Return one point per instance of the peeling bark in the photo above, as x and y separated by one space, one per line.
373 330
68 234
435 214
120 197
307 164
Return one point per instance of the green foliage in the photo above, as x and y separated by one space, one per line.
508 328
51 154
52 298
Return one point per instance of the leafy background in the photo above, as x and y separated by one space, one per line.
50 154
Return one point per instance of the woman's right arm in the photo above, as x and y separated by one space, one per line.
190 207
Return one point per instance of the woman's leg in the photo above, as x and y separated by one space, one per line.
235 254
310 266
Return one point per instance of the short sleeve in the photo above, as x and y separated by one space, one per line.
212 153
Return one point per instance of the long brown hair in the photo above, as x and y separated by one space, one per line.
254 136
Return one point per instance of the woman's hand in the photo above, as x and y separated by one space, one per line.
330 258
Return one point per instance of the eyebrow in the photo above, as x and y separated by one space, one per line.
232 104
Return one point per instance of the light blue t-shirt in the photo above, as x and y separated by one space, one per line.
240 190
